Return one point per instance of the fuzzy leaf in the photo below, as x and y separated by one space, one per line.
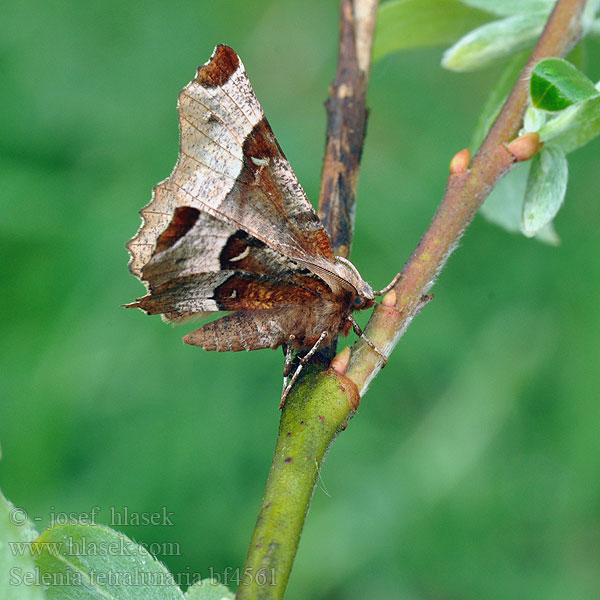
207 589
533 120
556 84
493 40
404 24
546 188
17 569
511 7
574 127
504 206
90 562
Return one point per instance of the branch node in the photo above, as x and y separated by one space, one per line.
346 385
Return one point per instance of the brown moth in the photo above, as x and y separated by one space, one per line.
232 230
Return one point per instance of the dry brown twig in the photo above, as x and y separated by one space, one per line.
347 122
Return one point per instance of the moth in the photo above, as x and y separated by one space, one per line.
232 230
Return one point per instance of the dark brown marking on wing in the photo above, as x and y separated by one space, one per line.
273 203
262 143
239 291
221 67
183 220
237 250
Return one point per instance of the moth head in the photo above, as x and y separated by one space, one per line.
364 293
362 302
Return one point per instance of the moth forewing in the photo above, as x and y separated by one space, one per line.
232 229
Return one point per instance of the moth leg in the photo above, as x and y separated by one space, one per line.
288 350
360 333
302 360
389 286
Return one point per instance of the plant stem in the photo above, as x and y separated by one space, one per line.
464 195
346 123
322 403
316 411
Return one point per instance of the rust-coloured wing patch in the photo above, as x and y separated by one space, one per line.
232 229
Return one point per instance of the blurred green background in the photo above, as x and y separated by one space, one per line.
472 469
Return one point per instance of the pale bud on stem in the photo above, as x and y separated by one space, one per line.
460 162
525 147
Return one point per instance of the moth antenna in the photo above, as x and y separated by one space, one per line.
389 286
360 333
346 262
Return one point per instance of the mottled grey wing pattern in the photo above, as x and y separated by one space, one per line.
232 229
231 168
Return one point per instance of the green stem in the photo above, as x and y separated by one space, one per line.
317 410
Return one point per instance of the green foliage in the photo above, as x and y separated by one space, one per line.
574 127
545 191
492 41
559 88
405 24
17 570
81 562
556 84
207 589
512 7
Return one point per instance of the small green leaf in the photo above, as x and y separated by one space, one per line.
575 126
512 7
533 120
404 24
545 191
90 562
496 99
17 569
504 206
493 40
207 589
556 84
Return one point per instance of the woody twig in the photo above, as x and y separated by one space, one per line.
346 127
347 122
465 192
